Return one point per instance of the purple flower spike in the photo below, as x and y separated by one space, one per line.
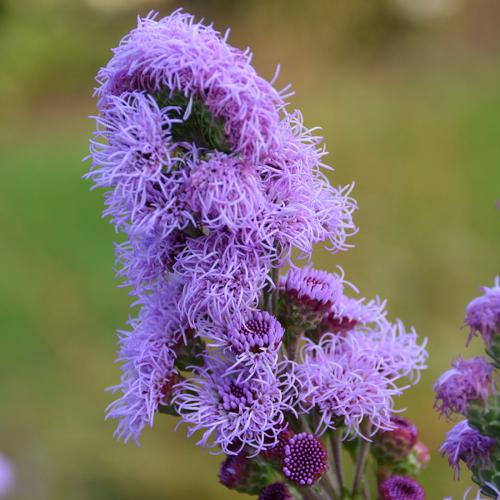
401 488
276 491
175 54
467 444
315 289
483 313
466 381
305 459
261 332
234 471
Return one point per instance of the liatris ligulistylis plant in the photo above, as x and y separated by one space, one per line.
218 188
469 389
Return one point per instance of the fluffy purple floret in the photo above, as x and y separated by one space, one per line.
345 384
232 410
179 55
225 193
315 289
306 208
401 488
261 332
305 459
276 491
466 381
147 356
483 313
223 275
143 259
348 312
397 350
465 443
132 155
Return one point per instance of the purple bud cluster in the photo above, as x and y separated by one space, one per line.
469 389
216 185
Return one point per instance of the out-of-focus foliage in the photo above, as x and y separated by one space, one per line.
410 106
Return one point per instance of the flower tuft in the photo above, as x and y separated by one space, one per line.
483 313
465 443
466 381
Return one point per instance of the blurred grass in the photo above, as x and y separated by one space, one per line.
420 137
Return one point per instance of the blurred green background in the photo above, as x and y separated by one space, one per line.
408 95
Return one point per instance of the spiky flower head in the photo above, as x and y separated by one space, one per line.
401 488
261 332
176 55
483 313
232 409
399 352
466 381
394 445
305 459
464 443
345 384
234 471
314 289
276 491
147 354
224 192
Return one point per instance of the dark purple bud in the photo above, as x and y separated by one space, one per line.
401 488
305 459
276 491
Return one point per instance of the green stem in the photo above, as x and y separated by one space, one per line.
337 458
364 447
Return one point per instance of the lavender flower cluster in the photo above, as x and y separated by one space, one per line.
469 390
217 187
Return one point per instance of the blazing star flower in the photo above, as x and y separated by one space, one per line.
234 410
223 277
467 444
316 290
143 259
466 381
226 193
260 332
401 488
276 491
347 312
132 153
305 459
147 354
397 350
345 385
483 313
394 445
306 208
176 55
